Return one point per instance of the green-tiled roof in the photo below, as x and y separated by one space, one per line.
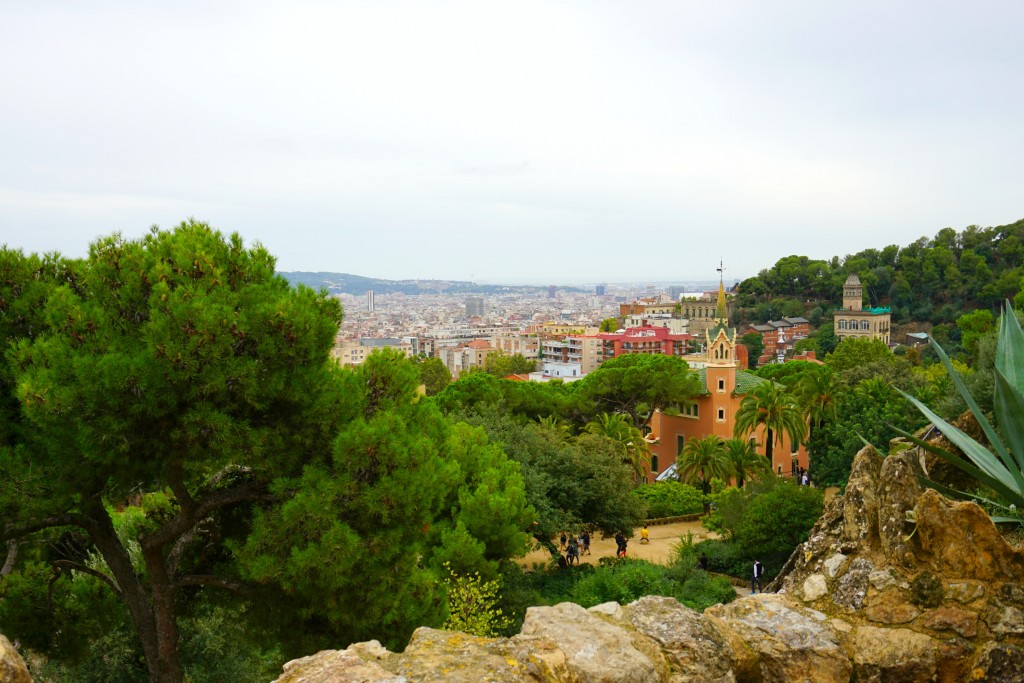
745 381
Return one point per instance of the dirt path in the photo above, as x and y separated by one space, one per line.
663 537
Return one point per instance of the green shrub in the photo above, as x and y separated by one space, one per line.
776 521
473 605
670 499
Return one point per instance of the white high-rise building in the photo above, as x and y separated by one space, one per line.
369 301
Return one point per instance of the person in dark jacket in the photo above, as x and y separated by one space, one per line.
756 578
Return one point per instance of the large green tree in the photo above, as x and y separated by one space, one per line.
635 451
403 493
434 375
179 361
636 385
179 364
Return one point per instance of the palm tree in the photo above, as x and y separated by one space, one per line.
771 405
701 461
556 426
744 460
635 451
818 392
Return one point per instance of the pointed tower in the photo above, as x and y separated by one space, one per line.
722 363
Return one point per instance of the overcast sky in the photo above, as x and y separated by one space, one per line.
513 141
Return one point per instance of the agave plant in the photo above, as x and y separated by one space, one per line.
999 467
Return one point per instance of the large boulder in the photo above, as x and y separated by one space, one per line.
773 638
12 666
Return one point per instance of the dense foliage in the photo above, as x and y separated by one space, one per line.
176 377
930 280
670 499
765 521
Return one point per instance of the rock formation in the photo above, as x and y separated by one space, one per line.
894 584
12 666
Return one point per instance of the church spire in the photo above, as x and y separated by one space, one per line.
721 312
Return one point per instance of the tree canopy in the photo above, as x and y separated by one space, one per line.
178 368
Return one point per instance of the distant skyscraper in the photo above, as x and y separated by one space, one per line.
676 291
474 306
600 289
369 301
551 291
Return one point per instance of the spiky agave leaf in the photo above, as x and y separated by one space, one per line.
1001 467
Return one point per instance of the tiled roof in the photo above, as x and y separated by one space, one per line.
745 381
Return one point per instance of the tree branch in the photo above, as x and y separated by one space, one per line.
68 564
12 557
176 480
11 531
214 581
186 519
178 549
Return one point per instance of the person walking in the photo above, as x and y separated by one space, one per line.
585 537
756 579
573 553
562 539
645 536
703 561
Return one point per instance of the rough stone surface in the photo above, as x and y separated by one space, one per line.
964 592
893 654
852 587
334 666
999 663
891 607
945 529
695 649
1004 620
12 666
860 503
898 491
833 564
814 587
595 649
774 639
950 618
881 579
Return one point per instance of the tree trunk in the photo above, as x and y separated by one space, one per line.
164 617
159 650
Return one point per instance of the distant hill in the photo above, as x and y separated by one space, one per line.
346 283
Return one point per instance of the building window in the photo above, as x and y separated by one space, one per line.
690 409
842 324
654 463
721 414
794 447
680 442
721 385
865 325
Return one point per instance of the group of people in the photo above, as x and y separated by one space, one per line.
574 546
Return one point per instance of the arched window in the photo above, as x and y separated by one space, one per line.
842 324
865 325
